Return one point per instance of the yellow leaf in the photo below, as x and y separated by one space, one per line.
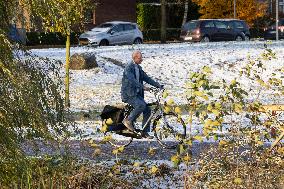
198 93
104 128
188 142
186 158
238 108
199 138
109 121
205 97
208 123
167 109
107 138
207 69
97 151
218 105
222 142
152 151
215 123
165 94
261 82
120 149
209 107
115 151
154 169
178 110
175 159
200 83
170 102
94 145
117 171
281 150
259 142
233 82
136 164
238 181
215 112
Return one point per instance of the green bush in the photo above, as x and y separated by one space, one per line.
31 108
42 38
155 34
149 19
256 32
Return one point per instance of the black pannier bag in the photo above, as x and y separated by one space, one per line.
116 114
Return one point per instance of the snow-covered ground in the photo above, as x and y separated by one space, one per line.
170 64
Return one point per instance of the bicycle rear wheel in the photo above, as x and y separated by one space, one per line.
169 129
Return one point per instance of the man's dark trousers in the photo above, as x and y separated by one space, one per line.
140 106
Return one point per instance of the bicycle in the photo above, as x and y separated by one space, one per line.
169 128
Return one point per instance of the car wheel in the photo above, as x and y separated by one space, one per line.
104 42
205 39
239 38
247 38
137 41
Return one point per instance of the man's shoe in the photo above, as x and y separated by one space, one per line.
146 135
128 124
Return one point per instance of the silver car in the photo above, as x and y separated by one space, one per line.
112 33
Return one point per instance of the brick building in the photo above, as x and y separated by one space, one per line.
109 10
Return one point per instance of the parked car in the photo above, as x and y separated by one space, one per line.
270 32
206 30
112 33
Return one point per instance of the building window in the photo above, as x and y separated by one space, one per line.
281 8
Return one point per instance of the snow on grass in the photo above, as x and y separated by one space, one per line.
170 64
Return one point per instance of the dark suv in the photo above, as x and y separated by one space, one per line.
270 32
206 30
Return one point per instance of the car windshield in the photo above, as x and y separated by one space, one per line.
105 25
190 25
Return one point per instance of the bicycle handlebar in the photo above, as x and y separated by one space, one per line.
156 90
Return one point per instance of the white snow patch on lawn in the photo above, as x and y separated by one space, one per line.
170 64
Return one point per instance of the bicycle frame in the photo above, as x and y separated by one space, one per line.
157 107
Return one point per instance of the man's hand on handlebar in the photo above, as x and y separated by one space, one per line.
147 88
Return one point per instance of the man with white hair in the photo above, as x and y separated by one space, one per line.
132 92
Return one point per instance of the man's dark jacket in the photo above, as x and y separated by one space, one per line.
131 87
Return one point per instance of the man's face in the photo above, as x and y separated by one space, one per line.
138 58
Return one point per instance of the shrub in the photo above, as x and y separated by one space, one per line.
43 38
31 107
240 158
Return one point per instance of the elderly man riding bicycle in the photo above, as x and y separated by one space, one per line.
132 92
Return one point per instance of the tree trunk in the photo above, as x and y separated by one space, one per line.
163 21
67 101
185 12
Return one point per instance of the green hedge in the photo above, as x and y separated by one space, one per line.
42 38
256 32
149 19
155 34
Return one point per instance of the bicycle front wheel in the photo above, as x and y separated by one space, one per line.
117 139
169 129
